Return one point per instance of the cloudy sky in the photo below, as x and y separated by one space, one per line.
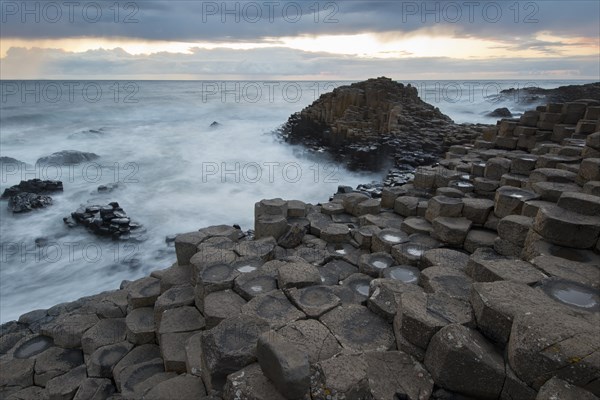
258 40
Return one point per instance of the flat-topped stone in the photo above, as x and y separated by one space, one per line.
551 191
186 245
567 228
101 362
443 206
450 281
316 339
447 258
274 308
581 203
509 200
140 326
54 362
374 264
220 305
105 332
420 315
485 265
298 275
452 231
586 274
252 284
358 329
314 301
68 329
386 238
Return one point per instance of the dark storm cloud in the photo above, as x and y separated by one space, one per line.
239 21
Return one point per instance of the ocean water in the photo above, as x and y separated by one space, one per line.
175 172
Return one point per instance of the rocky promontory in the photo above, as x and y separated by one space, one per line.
479 279
377 123
561 94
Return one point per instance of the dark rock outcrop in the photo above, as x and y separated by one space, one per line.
375 125
67 157
24 202
36 186
500 113
560 94
110 220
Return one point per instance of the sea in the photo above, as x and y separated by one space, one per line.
178 156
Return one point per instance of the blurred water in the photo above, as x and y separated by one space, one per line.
175 172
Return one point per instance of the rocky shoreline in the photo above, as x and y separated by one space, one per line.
479 279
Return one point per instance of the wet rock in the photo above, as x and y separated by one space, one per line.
482 371
67 157
255 283
335 271
109 220
101 362
284 363
36 186
274 308
386 238
502 112
358 329
314 301
229 347
314 337
358 286
573 294
375 263
25 202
